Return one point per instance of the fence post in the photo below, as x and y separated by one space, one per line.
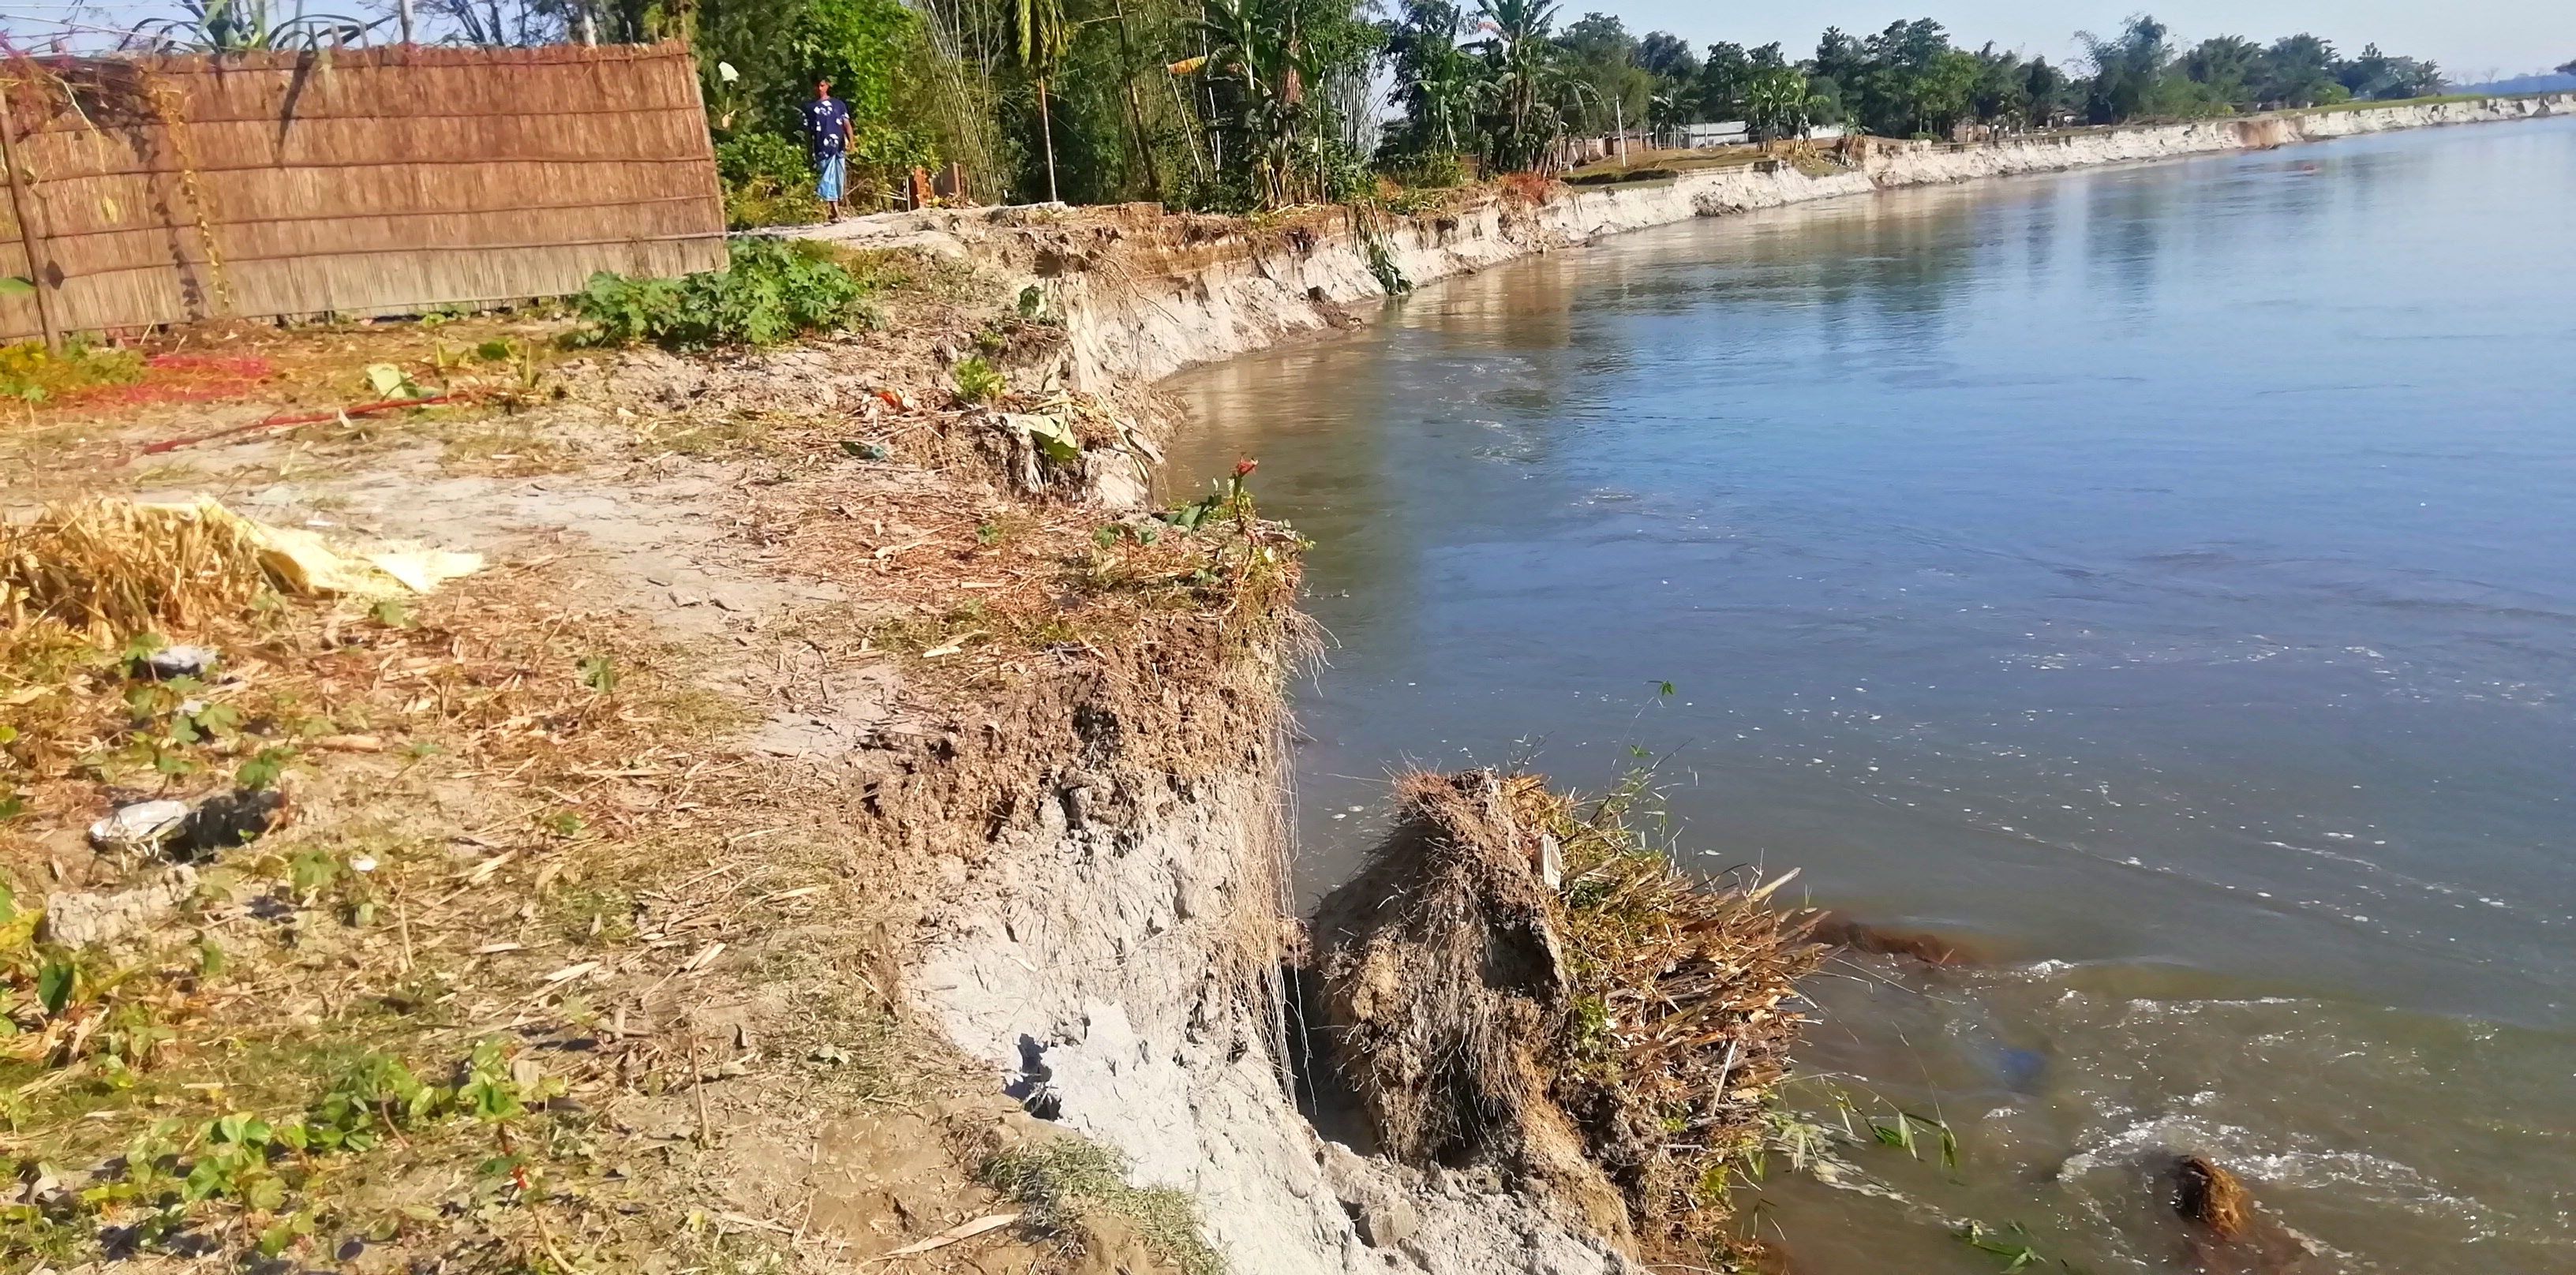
20 202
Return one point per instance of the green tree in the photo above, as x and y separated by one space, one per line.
1666 56
1911 81
1044 35
1601 55
1778 103
2126 69
2002 94
2221 70
2044 91
2375 76
2298 70
1726 78
1522 82
1434 81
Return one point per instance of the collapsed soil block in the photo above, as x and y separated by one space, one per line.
1514 986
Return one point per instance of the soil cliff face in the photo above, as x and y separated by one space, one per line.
1121 975
1153 314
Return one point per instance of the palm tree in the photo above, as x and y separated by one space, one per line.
1778 103
1044 37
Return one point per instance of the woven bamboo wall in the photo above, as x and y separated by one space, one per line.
358 181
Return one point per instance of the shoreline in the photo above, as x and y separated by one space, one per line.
1147 293
823 749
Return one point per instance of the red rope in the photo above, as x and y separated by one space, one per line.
296 418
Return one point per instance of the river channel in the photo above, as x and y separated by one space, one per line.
2160 579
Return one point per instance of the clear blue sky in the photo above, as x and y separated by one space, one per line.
2468 37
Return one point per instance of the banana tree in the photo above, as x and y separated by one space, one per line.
242 26
1524 79
1256 51
1435 80
1778 103
1044 38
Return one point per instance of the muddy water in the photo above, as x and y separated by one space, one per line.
2164 577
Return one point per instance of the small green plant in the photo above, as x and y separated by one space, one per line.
979 381
2012 1244
261 772
33 373
598 672
768 292
1055 1183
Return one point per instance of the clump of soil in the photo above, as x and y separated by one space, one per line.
2211 1196
2229 1234
1516 986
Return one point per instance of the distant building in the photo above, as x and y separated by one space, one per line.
1703 136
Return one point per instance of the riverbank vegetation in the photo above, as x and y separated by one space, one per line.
1239 105
1244 104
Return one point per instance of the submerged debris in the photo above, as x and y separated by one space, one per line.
1606 1042
2210 1195
2229 1235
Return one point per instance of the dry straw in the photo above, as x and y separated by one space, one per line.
113 568
356 181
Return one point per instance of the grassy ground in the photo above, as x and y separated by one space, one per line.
576 943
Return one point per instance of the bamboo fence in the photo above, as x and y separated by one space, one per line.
348 181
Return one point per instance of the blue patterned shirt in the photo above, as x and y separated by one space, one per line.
826 118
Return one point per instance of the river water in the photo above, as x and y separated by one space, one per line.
2162 578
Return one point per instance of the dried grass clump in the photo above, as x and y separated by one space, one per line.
1676 1034
113 567
1517 984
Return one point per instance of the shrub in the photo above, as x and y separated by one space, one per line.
766 181
31 372
770 291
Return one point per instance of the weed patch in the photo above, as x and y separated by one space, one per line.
768 292
1058 1183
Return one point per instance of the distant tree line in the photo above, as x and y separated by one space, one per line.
1911 80
1258 103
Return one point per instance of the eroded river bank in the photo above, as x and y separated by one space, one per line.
2149 577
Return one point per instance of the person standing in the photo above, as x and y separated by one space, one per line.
827 144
